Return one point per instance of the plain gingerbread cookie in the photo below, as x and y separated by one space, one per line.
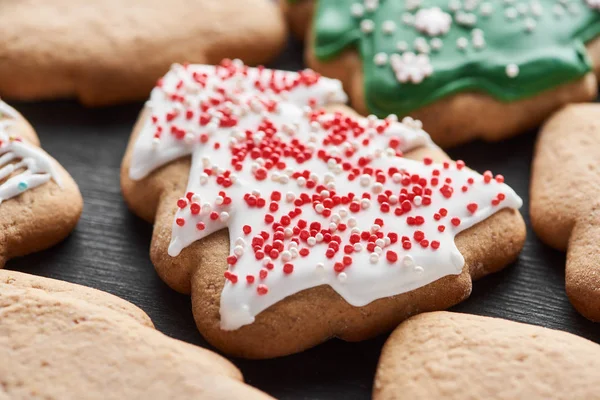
466 69
443 355
40 203
64 341
109 51
565 199
331 232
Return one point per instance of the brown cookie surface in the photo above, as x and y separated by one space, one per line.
105 52
564 198
60 340
293 323
443 355
455 118
40 203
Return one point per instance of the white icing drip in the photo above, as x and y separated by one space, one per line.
34 167
370 276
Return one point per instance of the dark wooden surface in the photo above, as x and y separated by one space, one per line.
109 251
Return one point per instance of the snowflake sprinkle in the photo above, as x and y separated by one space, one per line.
410 67
433 21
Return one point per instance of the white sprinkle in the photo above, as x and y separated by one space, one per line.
454 5
365 180
436 43
203 178
357 10
530 25
408 261
238 250
462 43
380 59
367 26
374 258
510 13
402 46
224 216
358 247
486 9
388 27
512 70
365 203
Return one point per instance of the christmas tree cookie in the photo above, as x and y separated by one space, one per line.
565 193
292 223
40 203
467 68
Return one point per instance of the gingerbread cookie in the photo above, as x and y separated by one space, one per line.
40 203
565 193
59 340
468 69
106 51
331 231
443 355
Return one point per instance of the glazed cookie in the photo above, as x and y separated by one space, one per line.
323 211
105 52
40 203
565 188
467 69
443 355
64 341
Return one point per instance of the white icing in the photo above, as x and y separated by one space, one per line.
22 165
370 276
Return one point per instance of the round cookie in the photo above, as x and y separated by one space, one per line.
443 355
284 209
104 52
60 340
564 198
468 70
40 203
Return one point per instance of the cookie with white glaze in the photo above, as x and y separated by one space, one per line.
438 355
61 340
565 193
40 203
106 51
290 224
468 70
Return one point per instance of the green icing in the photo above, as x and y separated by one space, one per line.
551 54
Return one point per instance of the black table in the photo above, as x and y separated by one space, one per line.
109 251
